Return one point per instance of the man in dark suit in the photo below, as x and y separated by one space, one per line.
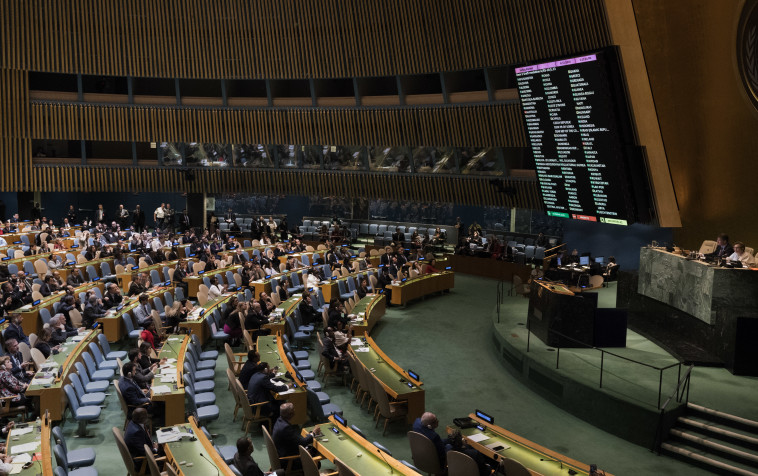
15 331
49 286
112 297
244 461
20 368
723 248
260 388
71 215
138 219
287 437
186 223
137 436
251 367
238 257
229 216
75 279
131 391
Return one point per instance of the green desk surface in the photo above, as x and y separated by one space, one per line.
363 306
194 316
357 453
34 436
529 457
382 369
188 452
68 349
173 348
269 351
92 262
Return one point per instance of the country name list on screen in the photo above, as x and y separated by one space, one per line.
569 116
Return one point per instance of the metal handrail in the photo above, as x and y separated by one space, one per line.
683 384
602 358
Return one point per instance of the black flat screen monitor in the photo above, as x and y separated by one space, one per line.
582 138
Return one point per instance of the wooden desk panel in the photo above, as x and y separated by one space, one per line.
421 286
392 377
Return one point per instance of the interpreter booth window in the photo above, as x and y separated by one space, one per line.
389 159
311 156
289 158
338 157
207 154
171 153
434 160
478 161
254 155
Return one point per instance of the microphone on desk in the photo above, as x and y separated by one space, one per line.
553 460
211 462
171 347
392 470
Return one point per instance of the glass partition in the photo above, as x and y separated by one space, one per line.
253 155
171 153
434 160
389 159
337 157
478 161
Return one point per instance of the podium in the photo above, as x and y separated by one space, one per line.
555 311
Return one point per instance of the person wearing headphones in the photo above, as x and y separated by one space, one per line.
426 425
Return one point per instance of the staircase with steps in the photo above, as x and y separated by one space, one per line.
723 443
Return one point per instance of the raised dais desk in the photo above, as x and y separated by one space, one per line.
709 293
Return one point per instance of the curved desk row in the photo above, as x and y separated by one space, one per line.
113 323
367 311
193 456
421 286
168 386
355 451
47 384
497 443
33 446
271 350
396 382
32 322
194 281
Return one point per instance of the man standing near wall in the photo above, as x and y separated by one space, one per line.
159 215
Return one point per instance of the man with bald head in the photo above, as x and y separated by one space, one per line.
426 425
287 436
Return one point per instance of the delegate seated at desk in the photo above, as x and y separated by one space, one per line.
287 437
134 396
723 248
244 462
426 425
137 436
260 389
741 255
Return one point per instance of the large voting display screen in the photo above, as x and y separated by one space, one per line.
578 130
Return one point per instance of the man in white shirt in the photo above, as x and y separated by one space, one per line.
159 215
741 255
3 242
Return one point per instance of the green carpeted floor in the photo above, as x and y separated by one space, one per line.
446 339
